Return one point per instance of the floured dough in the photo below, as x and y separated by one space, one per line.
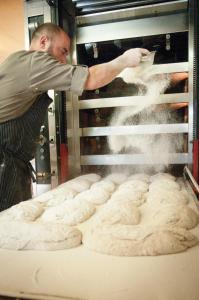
164 184
92 177
159 176
55 196
140 176
135 185
71 212
96 195
107 185
17 235
77 184
125 240
26 211
117 178
118 213
137 198
166 197
175 215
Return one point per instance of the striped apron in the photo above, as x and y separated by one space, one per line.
17 147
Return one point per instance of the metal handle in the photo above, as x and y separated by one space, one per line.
192 179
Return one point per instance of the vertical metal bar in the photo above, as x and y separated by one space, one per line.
36 9
193 81
73 125
51 120
196 159
191 58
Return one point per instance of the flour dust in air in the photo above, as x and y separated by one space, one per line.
157 147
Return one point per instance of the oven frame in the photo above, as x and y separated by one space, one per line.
149 20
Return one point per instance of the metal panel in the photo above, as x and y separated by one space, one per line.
135 12
73 137
137 129
73 126
169 68
132 28
130 101
98 6
53 144
131 159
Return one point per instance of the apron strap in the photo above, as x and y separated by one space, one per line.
32 171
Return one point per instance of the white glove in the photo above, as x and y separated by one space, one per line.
132 57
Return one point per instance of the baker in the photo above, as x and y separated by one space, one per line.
25 78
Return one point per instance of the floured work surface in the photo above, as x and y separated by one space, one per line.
80 273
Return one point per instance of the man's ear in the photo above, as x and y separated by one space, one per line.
44 42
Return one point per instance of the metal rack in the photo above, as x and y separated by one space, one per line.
154 19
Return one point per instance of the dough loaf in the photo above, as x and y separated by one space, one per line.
175 215
71 212
17 235
125 240
26 211
96 195
117 178
107 185
140 176
135 185
166 197
159 176
118 213
77 184
55 196
164 184
123 195
92 177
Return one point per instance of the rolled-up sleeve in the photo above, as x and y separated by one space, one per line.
47 73
79 78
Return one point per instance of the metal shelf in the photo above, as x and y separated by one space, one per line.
132 28
134 159
129 101
135 12
136 129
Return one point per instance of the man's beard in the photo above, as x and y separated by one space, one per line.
50 50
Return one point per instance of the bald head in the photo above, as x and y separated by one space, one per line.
51 38
49 29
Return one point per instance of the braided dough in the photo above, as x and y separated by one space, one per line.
26 211
123 195
96 195
136 185
118 213
175 215
125 240
71 212
17 235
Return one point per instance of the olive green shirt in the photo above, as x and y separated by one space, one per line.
24 75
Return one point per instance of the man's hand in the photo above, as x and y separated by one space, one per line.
132 57
177 77
102 74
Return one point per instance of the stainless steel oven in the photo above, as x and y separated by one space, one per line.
100 31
